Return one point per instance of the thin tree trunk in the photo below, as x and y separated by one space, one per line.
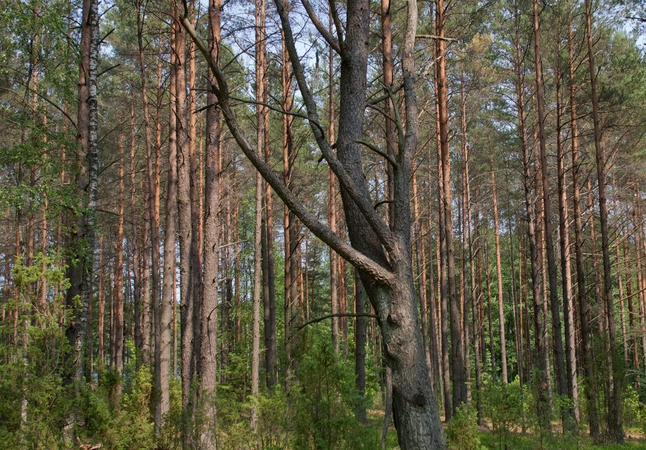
118 281
501 312
334 285
184 210
134 243
101 305
614 400
540 329
292 261
566 271
458 374
559 366
261 117
163 316
360 349
584 310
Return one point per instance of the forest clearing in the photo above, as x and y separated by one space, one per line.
316 224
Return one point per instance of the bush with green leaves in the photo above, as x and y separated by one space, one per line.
33 402
507 406
462 432
325 399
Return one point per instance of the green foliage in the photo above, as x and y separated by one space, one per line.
33 402
507 406
634 413
462 432
325 399
126 424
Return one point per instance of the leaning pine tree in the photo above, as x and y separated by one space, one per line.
382 255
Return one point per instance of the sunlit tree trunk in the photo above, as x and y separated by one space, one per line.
261 117
163 316
499 290
117 363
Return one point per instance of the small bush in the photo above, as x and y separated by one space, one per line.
462 432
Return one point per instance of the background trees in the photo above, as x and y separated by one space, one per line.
515 218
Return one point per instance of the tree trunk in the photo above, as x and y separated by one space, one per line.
615 374
261 117
559 367
334 266
566 271
292 239
501 313
458 374
163 316
82 235
388 280
584 310
118 282
134 243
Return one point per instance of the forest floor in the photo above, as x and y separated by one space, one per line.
491 439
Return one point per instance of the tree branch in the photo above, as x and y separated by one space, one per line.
320 230
320 27
379 152
330 316
376 223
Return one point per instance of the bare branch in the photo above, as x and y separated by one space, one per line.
320 27
376 223
379 152
432 36
320 230
330 316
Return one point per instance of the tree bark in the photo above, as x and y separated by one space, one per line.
163 316
615 374
559 367
211 247
584 310
458 374
501 312
388 280
540 328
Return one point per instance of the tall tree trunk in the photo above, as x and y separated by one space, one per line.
559 366
268 269
332 219
163 316
152 174
458 374
501 312
118 281
615 420
261 117
292 239
566 271
540 328
184 209
82 235
211 249
583 307
134 243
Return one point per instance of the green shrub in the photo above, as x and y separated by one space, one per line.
462 432
325 399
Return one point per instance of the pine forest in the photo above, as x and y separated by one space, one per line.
309 224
